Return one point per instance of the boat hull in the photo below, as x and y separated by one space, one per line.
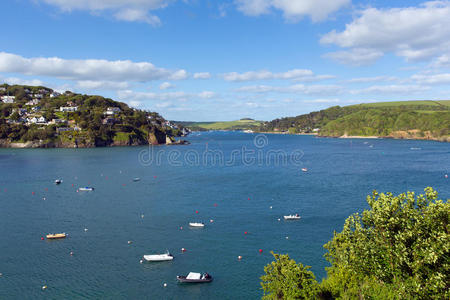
183 279
152 258
56 236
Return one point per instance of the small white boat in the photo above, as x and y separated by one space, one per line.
159 257
196 224
58 181
86 189
193 277
136 179
292 217
304 170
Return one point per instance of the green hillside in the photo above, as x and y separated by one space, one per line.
36 116
401 119
243 124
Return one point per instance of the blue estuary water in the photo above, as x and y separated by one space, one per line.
243 182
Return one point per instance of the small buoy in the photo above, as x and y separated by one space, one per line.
165 284
46 189
141 261
183 250
71 252
42 238
1 274
260 250
196 211
210 221
32 193
44 287
72 184
142 216
239 257
248 198
245 232
181 227
215 204
271 207
287 237
43 198
85 229
123 184
279 219
446 176
154 177
129 242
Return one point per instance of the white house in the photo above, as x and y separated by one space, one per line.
33 102
8 99
33 120
39 96
68 108
41 120
2 89
54 94
110 111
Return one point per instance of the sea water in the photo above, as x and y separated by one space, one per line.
240 185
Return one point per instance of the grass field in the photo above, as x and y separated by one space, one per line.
407 103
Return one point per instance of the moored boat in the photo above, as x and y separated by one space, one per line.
304 170
86 189
158 257
58 181
196 224
193 277
292 217
136 179
54 236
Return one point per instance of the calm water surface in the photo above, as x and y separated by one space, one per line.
236 193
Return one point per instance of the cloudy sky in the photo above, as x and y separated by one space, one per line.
204 60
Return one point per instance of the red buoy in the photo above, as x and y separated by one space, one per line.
183 250
260 250
196 211
215 204
245 232
42 238
32 193
46 189
248 198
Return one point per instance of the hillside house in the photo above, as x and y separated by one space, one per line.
8 99
68 108
54 94
110 111
33 102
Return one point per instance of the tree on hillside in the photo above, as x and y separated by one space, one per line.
398 249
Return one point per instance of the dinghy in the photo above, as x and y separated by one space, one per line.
292 217
54 236
58 181
195 278
158 257
86 189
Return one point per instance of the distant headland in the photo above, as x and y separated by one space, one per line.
39 117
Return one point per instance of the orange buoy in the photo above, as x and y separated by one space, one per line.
239 257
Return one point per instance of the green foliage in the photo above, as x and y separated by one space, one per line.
397 249
285 279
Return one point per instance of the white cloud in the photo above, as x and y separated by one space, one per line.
371 79
355 57
135 103
293 10
415 33
101 85
20 81
391 89
124 10
297 88
295 74
166 85
432 79
87 69
129 95
202 75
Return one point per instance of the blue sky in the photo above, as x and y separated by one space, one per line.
224 60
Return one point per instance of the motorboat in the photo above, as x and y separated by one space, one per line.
58 181
158 257
196 224
136 179
193 277
54 236
86 189
304 170
292 217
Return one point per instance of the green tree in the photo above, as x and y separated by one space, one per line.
285 279
397 249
